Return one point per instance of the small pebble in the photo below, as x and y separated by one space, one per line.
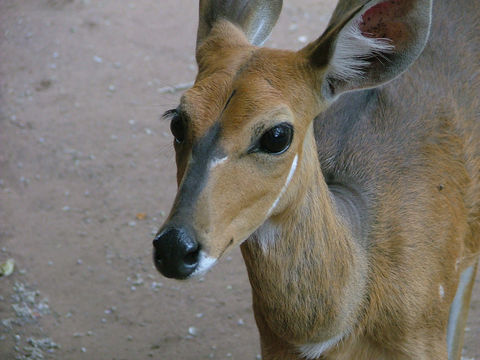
83 349
303 39
97 59
192 330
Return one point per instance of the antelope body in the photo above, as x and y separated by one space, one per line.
348 171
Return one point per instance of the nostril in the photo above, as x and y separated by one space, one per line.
191 258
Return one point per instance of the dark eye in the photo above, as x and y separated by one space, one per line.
277 139
177 127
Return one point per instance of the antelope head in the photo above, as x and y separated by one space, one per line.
243 134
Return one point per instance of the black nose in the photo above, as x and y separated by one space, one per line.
175 253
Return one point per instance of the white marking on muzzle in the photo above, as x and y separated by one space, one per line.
205 263
289 178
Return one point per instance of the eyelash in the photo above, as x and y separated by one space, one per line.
169 114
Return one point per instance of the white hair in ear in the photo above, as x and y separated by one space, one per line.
352 51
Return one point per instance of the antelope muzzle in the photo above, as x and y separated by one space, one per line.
176 253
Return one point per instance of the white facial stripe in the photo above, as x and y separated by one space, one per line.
216 162
205 263
289 178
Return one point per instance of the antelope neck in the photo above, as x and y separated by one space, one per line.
313 245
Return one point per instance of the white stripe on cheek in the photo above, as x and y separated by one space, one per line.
216 162
289 178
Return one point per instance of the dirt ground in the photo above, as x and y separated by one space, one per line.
87 176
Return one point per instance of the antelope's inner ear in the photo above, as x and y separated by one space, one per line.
371 46
255 18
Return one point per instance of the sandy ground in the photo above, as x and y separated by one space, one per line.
87 175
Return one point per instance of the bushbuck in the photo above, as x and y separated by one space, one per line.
347 171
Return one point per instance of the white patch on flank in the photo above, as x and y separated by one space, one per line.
289 178
205 263
216 162
441 291
352 49
313 351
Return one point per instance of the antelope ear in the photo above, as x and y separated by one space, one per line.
256 18
371 46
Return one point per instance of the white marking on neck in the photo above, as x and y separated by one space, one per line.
216 162
289 178
205 263
314 351
266 235
441 291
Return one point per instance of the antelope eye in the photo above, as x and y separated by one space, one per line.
177 127
277 139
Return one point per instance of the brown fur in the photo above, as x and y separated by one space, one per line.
406 155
